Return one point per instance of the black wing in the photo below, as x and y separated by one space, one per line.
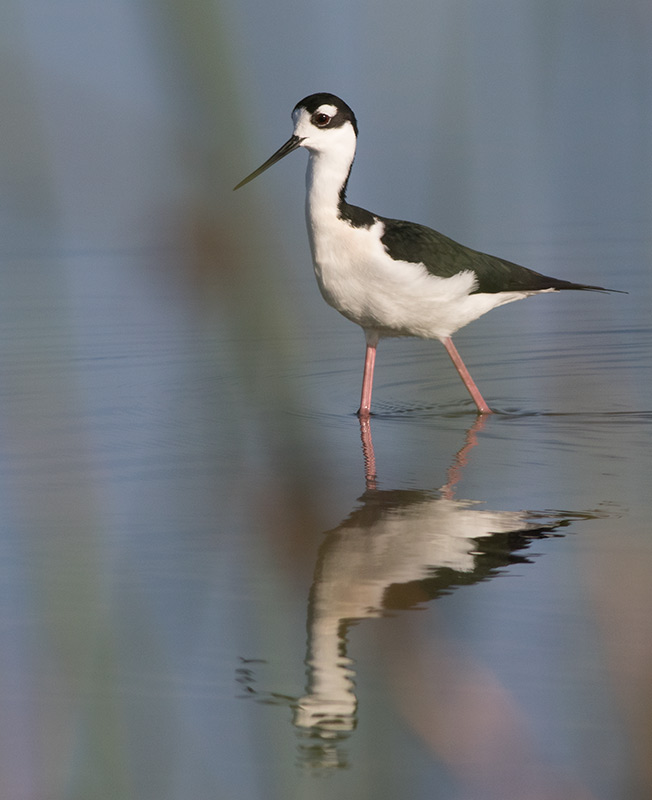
443 257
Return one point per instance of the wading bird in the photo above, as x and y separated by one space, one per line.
391 277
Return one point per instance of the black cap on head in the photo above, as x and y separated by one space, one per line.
344 112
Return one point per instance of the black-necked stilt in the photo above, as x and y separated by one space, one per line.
393 278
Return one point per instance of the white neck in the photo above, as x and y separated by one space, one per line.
326 175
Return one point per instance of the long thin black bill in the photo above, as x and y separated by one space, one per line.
292 143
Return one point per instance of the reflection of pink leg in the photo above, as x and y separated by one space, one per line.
367 380
368 454
460 461
473 390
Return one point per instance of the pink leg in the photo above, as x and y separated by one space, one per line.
367 380
473 390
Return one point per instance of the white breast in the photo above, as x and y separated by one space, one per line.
357 276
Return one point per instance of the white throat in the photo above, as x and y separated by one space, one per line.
327 173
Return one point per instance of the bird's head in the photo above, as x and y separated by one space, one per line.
323 124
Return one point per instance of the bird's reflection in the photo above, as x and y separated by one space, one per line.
396 550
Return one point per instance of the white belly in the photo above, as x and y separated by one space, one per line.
395 298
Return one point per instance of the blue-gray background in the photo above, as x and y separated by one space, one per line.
176 398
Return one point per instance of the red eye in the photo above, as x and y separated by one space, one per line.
321 120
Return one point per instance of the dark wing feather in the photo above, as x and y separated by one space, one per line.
443 257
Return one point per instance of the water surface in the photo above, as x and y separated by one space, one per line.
216 580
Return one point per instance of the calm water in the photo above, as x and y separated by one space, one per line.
215 584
